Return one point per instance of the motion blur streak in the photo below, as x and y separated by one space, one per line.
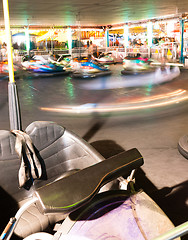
153 102
160 96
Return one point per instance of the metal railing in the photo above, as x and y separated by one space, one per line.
168 51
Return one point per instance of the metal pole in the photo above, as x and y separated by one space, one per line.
126 38
52 44
178 231
27 36
182 43
14 112
107 39
69 36
149 37
8 36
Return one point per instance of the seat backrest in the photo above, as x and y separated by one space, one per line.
59 150
9 163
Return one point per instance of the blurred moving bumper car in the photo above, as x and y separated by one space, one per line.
38 66
62 60
88 68
136 65
4 72
105 58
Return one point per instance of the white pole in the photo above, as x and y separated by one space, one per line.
27 39
149 37
126 38
8 40
69 37
14 110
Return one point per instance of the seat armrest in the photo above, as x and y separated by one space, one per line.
71 192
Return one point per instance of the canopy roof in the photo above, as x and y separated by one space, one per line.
89 13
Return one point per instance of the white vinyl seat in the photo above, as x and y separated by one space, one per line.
60 152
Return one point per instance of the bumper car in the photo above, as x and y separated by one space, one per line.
71 195
105 58
4 72
88 68
61 60
38 66
183 146
136 65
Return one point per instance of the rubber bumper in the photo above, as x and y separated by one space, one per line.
183 146
90 75
46 74
131 72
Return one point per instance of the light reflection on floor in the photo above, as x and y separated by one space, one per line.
83 97
142 103
64 94
153 78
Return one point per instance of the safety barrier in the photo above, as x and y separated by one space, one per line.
168 51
